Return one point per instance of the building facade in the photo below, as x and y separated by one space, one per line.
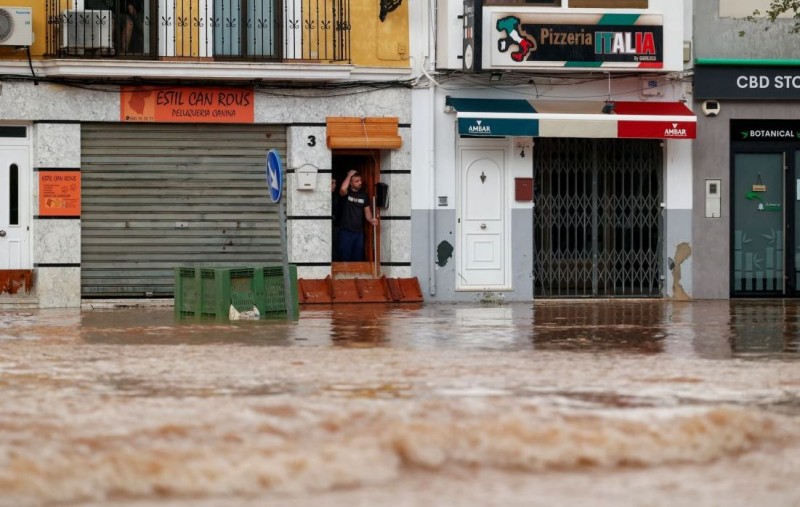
133 137
747 85
552 152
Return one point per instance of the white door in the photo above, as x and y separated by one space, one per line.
482 220
14 207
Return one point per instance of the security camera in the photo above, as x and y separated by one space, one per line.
711 107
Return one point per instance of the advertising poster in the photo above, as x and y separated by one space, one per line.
59 193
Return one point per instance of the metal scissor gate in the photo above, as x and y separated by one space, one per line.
597 219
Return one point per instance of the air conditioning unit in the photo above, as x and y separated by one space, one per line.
16 26
86 30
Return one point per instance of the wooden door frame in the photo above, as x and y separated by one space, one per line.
368 164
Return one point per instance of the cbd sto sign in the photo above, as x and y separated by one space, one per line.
745 82
751 81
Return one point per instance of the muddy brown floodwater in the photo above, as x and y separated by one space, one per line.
602 403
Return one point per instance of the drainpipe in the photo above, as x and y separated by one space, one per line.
431 17
432 185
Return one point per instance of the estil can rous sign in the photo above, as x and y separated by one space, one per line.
186 104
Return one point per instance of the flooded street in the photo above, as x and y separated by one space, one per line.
646 403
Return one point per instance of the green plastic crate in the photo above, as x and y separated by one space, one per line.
210 292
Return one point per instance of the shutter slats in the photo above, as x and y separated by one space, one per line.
157 196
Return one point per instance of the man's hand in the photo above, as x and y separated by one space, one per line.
373 221
346 182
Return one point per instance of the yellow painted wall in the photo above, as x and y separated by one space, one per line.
376 43
188 43
373 43
39 29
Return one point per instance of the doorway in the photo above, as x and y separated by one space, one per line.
597 221
367 164
483 259
765 226
14 205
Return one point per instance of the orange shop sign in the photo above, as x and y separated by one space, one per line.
186 104
59 193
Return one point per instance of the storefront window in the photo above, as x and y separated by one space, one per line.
796 195
758 239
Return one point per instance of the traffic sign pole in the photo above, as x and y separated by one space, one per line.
274 173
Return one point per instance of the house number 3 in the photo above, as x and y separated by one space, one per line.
312 140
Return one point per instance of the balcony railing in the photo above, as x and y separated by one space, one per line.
243 30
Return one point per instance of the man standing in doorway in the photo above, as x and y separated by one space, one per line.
355 208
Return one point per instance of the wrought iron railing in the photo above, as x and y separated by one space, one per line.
277 30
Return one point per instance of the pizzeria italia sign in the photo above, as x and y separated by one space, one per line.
523 39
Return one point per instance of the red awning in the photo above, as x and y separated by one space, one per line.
655 120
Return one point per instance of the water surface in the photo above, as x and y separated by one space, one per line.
557 403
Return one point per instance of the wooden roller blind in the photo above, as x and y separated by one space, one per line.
367 133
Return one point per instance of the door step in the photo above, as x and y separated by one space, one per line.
358 290
352 270
18 303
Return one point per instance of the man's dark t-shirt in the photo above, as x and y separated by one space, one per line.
351 214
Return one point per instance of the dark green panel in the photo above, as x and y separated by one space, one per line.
758 218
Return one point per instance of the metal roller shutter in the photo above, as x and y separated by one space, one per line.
157 196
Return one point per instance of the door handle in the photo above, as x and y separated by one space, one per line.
2 234
483 226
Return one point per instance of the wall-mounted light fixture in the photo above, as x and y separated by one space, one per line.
495 76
